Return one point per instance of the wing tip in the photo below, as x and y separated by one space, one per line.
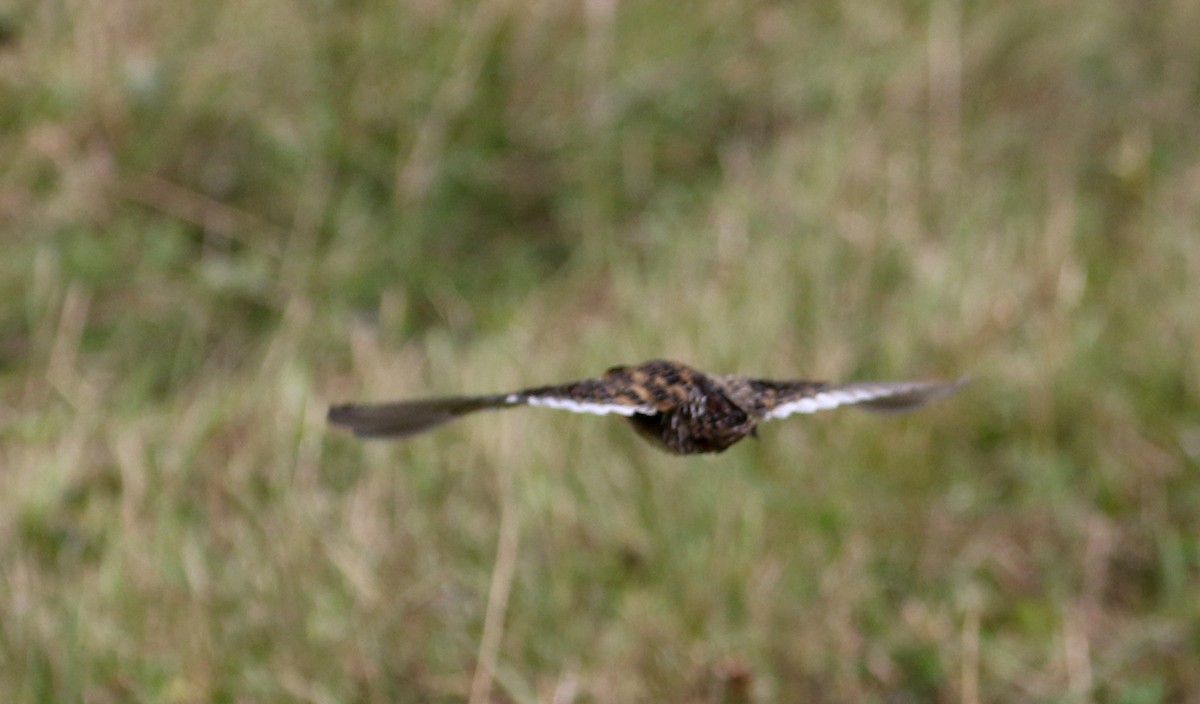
339 413
922 393
351 417
390 420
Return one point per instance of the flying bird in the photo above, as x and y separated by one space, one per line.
678 408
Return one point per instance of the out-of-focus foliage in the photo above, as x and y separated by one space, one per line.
218 217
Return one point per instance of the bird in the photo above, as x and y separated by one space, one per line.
678 408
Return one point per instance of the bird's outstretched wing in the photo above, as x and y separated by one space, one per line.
404 418
780 399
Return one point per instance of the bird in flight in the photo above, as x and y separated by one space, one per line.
678 408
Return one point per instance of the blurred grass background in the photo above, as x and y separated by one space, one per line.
218 217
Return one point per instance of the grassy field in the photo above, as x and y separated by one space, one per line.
219 217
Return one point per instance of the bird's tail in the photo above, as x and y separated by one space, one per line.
405 418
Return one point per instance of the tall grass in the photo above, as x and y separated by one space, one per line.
219 217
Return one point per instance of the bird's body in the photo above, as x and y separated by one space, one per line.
677 407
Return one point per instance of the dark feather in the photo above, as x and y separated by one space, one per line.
405 418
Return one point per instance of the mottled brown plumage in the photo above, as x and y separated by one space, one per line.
678 408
